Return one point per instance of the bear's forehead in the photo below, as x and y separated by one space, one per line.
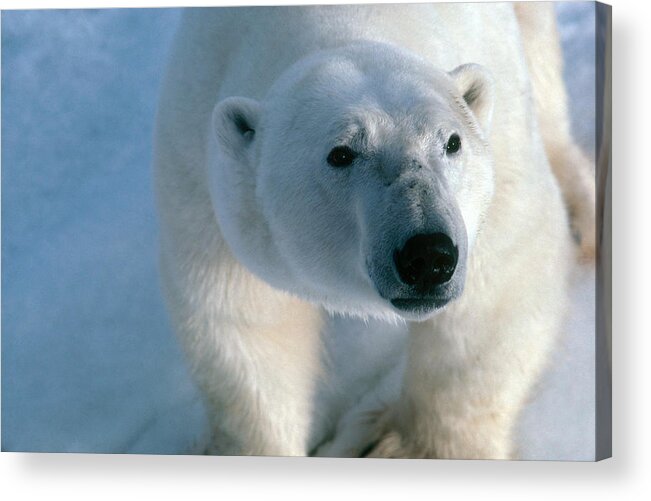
369 111
347 75
363 93
345 80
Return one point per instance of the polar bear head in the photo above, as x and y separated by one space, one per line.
359 182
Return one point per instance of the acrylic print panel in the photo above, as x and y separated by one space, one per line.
365 253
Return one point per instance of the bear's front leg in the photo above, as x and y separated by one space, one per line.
443 427
254 353
464 387
259 390
257 382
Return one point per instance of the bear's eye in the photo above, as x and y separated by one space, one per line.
453 145
341 156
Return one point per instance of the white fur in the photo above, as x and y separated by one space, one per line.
264 245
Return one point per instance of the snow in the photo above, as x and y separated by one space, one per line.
89 361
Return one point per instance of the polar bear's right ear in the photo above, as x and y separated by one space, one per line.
475 84
234 122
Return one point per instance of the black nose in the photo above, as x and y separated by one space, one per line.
426 261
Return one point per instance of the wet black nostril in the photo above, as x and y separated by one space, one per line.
426 261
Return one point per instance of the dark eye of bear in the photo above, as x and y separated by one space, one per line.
454 144
341 156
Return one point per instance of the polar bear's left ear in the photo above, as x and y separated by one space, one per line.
234 122
475 84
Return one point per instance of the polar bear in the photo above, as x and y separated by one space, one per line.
319 165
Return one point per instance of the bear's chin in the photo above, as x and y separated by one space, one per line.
417 309
392 310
